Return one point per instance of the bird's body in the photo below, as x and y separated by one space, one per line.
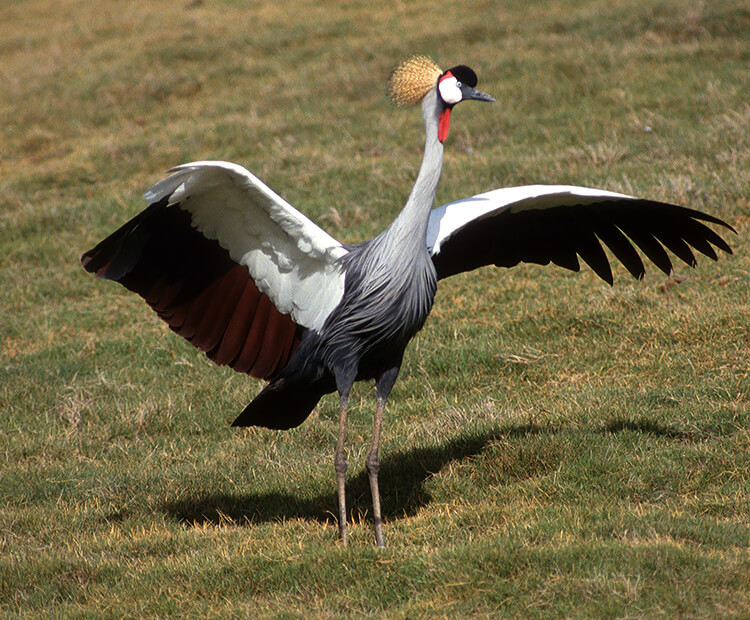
244 276
386 301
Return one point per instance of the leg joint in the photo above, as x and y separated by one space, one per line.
340 462
373 463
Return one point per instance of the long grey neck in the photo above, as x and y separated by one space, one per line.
411 224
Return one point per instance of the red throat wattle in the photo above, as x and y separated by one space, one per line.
444 124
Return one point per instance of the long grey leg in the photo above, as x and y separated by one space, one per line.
384 385
373 467
341 465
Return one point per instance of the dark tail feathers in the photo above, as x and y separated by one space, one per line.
284 403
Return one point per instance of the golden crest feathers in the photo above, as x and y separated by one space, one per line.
412 79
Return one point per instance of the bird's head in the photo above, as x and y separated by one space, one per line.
416 76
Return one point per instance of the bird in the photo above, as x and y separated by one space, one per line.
245 277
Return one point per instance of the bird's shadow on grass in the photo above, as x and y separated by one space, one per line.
403 478
402 485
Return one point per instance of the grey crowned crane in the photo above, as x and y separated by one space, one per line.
249 280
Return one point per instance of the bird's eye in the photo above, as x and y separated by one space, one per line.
450 90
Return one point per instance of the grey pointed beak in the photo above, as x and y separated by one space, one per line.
473 94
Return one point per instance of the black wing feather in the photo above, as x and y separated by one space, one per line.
194 285
618 244
561 234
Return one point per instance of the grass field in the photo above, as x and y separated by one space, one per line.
554 447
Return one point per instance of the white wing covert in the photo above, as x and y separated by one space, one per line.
289 257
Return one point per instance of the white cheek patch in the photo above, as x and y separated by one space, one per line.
449 90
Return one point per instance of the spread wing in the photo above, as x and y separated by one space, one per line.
228 264
558 223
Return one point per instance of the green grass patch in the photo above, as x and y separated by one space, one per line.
554 446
